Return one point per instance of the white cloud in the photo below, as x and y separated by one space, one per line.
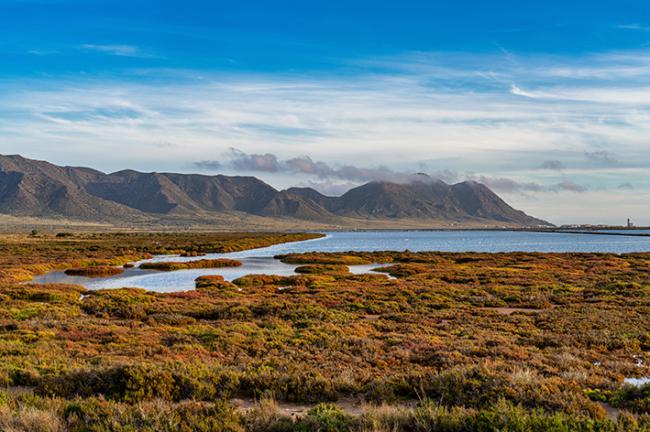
636 27
117 50
499 118
567 207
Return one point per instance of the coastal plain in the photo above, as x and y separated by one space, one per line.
439 341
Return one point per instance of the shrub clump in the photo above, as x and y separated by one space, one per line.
127 303
258 280
633 398
100 415
211 282
322 269
326 418
142 382
95 271
192 254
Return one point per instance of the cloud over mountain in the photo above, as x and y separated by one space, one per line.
271 163
351 175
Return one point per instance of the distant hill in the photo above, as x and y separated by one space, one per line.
41 189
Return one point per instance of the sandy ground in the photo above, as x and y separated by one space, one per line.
511 310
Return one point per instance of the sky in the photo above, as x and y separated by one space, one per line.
547 103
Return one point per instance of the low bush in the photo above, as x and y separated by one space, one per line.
319 258
325 418
97 415
322 269
142 382
258 280
633 398
126 303
210 282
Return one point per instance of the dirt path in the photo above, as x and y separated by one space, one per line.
511 310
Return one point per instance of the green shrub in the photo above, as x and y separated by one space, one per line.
633 398
97 415
142 382
322 269
325 418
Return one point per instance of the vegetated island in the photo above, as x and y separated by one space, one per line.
186 265
95 271
457 341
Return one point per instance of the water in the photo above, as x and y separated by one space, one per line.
637 382
180 280
626 231
262 261
464 241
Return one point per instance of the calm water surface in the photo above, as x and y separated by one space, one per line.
261 260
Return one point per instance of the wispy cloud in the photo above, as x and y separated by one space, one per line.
42 52
507 185
636 27
338 179
532 127
328 187
602 157
569 186
116 50
552 164
518 91
626 186
209 165
254 162
271 163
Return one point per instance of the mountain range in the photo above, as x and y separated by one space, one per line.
41 189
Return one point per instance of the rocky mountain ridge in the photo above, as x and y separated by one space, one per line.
41 189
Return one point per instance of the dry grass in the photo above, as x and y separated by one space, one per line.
29 419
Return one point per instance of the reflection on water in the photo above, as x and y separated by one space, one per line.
183 280
261 260
180 280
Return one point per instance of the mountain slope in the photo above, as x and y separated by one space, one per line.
302 203
431 199
41 189
36 188
478 200
392 200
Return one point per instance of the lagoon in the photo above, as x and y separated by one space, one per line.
257 261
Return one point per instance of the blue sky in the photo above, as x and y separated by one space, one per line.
546 102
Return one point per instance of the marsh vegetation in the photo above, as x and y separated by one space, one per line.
431 349
186 265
